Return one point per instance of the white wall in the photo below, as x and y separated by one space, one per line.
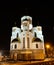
26 34
40 45
15 30
38 32
12 46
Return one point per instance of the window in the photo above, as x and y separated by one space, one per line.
24 42
36 45
35 34
17 34
25 24
28 42
15 46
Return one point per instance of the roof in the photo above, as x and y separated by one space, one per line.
26 18
16 40
36 40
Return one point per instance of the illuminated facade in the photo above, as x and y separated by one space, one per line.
27 42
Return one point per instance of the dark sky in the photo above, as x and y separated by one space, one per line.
40 12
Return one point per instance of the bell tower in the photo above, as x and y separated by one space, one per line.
26 23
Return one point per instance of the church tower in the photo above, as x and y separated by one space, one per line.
26 23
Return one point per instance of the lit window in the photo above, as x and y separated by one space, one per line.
28 42
24 42
36 45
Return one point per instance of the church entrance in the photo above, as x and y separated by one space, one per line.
15 56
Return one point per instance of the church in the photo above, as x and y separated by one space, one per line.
27 42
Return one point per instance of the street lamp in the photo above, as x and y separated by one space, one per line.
1 57
47 48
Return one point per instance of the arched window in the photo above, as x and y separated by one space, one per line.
28 42
24 42
36 45
35 34
15 46
17 34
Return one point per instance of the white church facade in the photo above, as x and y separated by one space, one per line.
27 42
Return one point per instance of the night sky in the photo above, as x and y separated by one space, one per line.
42 14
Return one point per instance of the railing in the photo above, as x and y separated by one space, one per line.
51 62
41 63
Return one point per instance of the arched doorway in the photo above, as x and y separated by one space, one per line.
15 56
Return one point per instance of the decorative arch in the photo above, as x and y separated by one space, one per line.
36 40
16 40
